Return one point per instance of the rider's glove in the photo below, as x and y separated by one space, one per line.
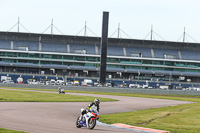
88 110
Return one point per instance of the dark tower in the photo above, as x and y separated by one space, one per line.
104 42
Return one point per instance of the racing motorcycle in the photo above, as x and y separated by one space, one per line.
61 90
89 119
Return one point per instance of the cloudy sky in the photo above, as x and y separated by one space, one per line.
168 17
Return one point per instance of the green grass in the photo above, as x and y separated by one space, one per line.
26 96
3 130
177 119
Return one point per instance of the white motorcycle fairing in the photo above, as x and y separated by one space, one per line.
89 119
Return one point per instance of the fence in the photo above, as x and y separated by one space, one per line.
107 89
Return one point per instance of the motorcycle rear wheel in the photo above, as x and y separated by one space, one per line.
92 124
78 123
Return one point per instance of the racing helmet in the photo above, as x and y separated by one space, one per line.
96 101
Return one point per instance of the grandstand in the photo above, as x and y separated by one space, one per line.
80 55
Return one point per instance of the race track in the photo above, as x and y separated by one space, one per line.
60 117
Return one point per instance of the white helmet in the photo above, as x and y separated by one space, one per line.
96 101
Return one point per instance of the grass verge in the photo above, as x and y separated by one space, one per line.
28 96
3 130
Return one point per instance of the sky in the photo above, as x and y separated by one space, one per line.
134 18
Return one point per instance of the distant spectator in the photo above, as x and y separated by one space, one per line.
165 56
140 54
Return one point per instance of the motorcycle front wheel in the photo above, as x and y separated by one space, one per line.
78 123
92 124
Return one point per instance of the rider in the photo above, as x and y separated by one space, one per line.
59 88
95 103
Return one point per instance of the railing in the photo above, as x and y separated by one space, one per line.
137 78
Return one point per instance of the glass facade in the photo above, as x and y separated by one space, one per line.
125 63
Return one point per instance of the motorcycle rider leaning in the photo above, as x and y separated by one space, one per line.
95 103
59 88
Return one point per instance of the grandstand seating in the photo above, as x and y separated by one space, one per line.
54 47
170 54
190 55
90 49
76 48
79 47
145 52
115 51
4 44
32 46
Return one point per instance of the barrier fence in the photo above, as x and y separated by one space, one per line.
107 89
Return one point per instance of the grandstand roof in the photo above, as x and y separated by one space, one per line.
97 40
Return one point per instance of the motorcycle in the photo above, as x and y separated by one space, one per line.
61 90
89 119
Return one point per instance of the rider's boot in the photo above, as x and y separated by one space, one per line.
81 118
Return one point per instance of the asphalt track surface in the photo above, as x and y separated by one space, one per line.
60 117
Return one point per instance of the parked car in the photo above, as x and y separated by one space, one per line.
60 82
43 82
87 82
96 84
47 82
52 82
8 81
76 83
